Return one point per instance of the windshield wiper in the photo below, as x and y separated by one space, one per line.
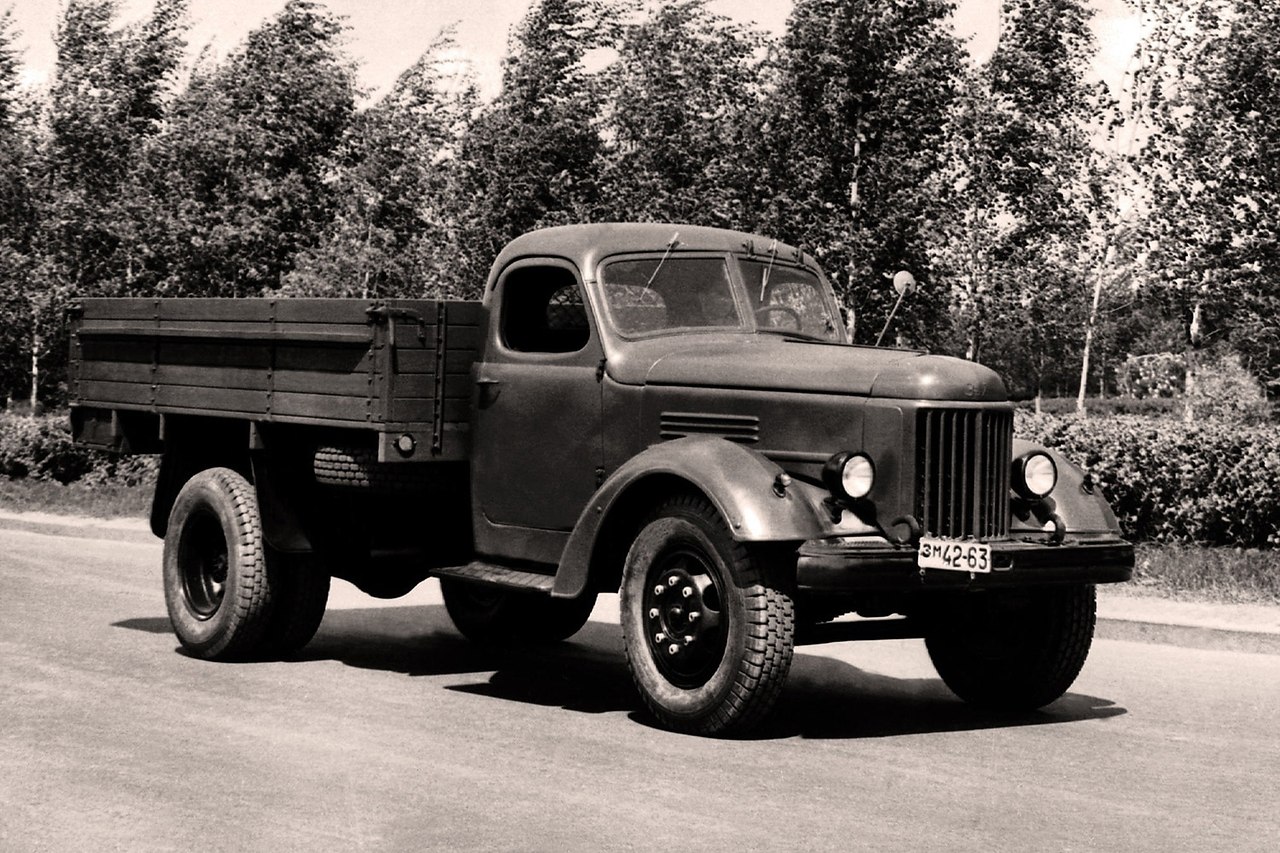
793 335
671 245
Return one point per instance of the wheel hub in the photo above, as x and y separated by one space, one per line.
683 619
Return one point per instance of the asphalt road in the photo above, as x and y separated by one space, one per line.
391 732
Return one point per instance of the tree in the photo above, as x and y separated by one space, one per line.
530 159
392 229
684 97
1022 233
241 176
17 216
854 137
1209 98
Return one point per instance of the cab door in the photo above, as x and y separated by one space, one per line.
537 441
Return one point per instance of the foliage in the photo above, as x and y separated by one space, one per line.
1207 482
682 104
40 448
1104 407
392 231
854 132
529 160
240 177
1209 97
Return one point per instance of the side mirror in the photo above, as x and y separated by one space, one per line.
903 282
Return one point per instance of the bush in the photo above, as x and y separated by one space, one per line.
1105 406
1208 482
41 448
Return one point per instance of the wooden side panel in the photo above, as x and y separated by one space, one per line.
296 360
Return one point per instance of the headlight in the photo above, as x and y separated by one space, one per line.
1034 475
849 475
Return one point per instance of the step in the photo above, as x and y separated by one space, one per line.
500 576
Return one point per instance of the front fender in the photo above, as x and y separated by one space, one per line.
738 481
1083 512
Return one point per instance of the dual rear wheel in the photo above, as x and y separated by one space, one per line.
228 595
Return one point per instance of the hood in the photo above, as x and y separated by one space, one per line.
769 362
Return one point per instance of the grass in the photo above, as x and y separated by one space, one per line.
94 501
1236 575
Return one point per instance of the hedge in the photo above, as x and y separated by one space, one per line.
1207 482
40 448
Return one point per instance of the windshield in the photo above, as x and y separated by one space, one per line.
790 300
651 295
658 295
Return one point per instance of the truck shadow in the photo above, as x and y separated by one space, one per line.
824 697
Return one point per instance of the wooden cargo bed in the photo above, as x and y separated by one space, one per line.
393 367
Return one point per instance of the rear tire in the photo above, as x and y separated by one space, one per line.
216 584
708 624
493 616
1014 651
301 594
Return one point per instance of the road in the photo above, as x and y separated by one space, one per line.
391 732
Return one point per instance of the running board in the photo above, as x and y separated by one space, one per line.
861 629
500 576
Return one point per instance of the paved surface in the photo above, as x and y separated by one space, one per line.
391 732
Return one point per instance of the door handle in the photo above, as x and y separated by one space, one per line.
487 390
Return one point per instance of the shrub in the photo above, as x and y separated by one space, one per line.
1106 406
1208 482
41 448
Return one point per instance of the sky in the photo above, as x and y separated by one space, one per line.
386 36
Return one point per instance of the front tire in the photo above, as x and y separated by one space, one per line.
216 584
708 625
1014 651
492 616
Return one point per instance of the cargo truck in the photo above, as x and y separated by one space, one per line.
669 412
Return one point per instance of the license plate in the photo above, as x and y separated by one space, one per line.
953 555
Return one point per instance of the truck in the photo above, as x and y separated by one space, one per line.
672 413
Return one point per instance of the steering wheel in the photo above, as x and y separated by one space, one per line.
765 310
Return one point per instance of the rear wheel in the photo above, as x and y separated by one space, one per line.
490 615
301 591
708 625
216 584
1014 651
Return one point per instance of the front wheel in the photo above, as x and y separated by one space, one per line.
708 625
1014 651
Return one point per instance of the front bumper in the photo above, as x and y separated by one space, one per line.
876 565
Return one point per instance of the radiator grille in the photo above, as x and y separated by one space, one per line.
962 472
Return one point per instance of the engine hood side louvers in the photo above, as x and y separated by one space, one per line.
744 429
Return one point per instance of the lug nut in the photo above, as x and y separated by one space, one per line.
673 580
653 612
659 637
687 591
673 649
659 589
694 615
688 638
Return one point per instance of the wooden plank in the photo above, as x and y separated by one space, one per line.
99 392
207 376
215 310
320 406
115 371
323 311
195 353
456 386
118 309
318 382
326 359
211 399
116 350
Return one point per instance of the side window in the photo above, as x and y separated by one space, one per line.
542 311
